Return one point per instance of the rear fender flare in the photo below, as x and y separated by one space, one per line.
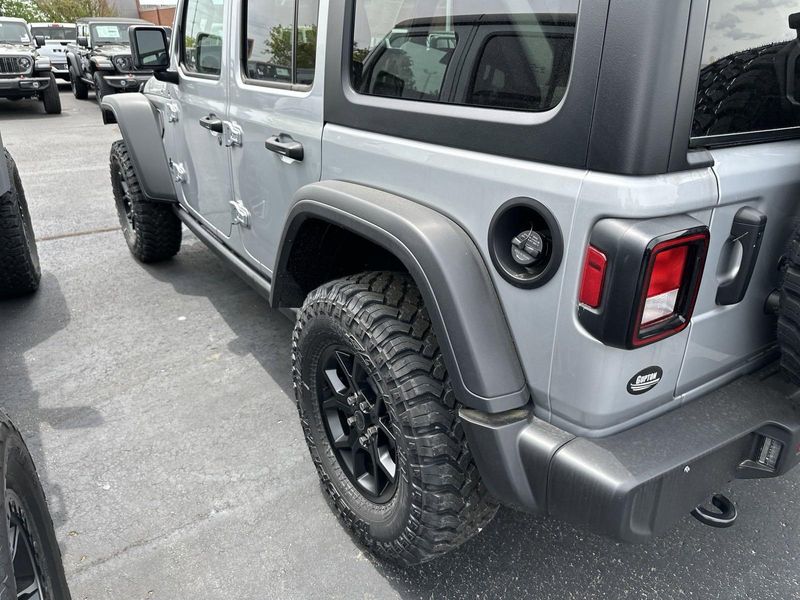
450 272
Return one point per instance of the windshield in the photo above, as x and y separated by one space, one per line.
14 33
55 32
110 33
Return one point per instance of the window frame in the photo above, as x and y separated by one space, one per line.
558 136
740 138
182 46
278 85
481 41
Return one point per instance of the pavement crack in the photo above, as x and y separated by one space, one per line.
198 519
61 236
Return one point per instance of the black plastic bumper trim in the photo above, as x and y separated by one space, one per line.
637 483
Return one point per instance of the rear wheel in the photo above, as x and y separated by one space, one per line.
19 259
51 98
30 560
79 88
381 421
151 229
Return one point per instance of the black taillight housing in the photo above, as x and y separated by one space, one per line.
650 278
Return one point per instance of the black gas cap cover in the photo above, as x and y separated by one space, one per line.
645 380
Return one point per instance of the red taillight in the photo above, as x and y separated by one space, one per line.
594 274
665 283
672 278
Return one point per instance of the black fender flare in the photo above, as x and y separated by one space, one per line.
452 276
73 62
142 131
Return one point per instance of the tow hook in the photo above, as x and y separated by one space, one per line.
726 516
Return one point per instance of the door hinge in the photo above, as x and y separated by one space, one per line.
233 133
173 112
178 171
239 214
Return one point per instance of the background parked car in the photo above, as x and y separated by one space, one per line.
101 58
24 72
57 36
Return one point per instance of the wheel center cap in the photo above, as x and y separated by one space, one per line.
361 421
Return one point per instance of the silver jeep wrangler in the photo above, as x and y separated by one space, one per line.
542 252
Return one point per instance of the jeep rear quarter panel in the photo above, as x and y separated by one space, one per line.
632 160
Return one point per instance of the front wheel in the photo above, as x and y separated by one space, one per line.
30 560
381 421
151 229
79 88
51 98
19 258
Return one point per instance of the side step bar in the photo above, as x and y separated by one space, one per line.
253 278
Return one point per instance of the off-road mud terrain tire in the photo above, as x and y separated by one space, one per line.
19 259
739 93
79 88
439 501
51 98
151 229
23 510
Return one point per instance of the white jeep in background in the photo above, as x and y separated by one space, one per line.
56 37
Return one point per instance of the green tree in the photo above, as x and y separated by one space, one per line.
21 9
68 11
280 46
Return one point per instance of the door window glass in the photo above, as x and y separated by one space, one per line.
510 54
280 41
201 50
750 72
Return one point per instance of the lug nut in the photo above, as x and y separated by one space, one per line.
351 421
364 406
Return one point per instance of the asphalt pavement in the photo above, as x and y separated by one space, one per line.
157 403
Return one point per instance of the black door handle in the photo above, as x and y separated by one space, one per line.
212 123
285 146
748 229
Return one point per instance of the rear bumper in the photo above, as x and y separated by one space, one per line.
637 483
23 86
132 83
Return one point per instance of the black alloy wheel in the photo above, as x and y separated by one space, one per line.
358 424
24 560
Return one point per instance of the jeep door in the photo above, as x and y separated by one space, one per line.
199 156
276 101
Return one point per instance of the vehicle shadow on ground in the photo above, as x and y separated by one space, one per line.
259 330
521 555
24 324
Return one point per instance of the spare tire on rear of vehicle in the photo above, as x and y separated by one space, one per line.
742 92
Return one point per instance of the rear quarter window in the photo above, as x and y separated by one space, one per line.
509 54
749 69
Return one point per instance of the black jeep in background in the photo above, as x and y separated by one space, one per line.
101 58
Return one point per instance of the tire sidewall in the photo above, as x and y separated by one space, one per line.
17 473
386 521
118 168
